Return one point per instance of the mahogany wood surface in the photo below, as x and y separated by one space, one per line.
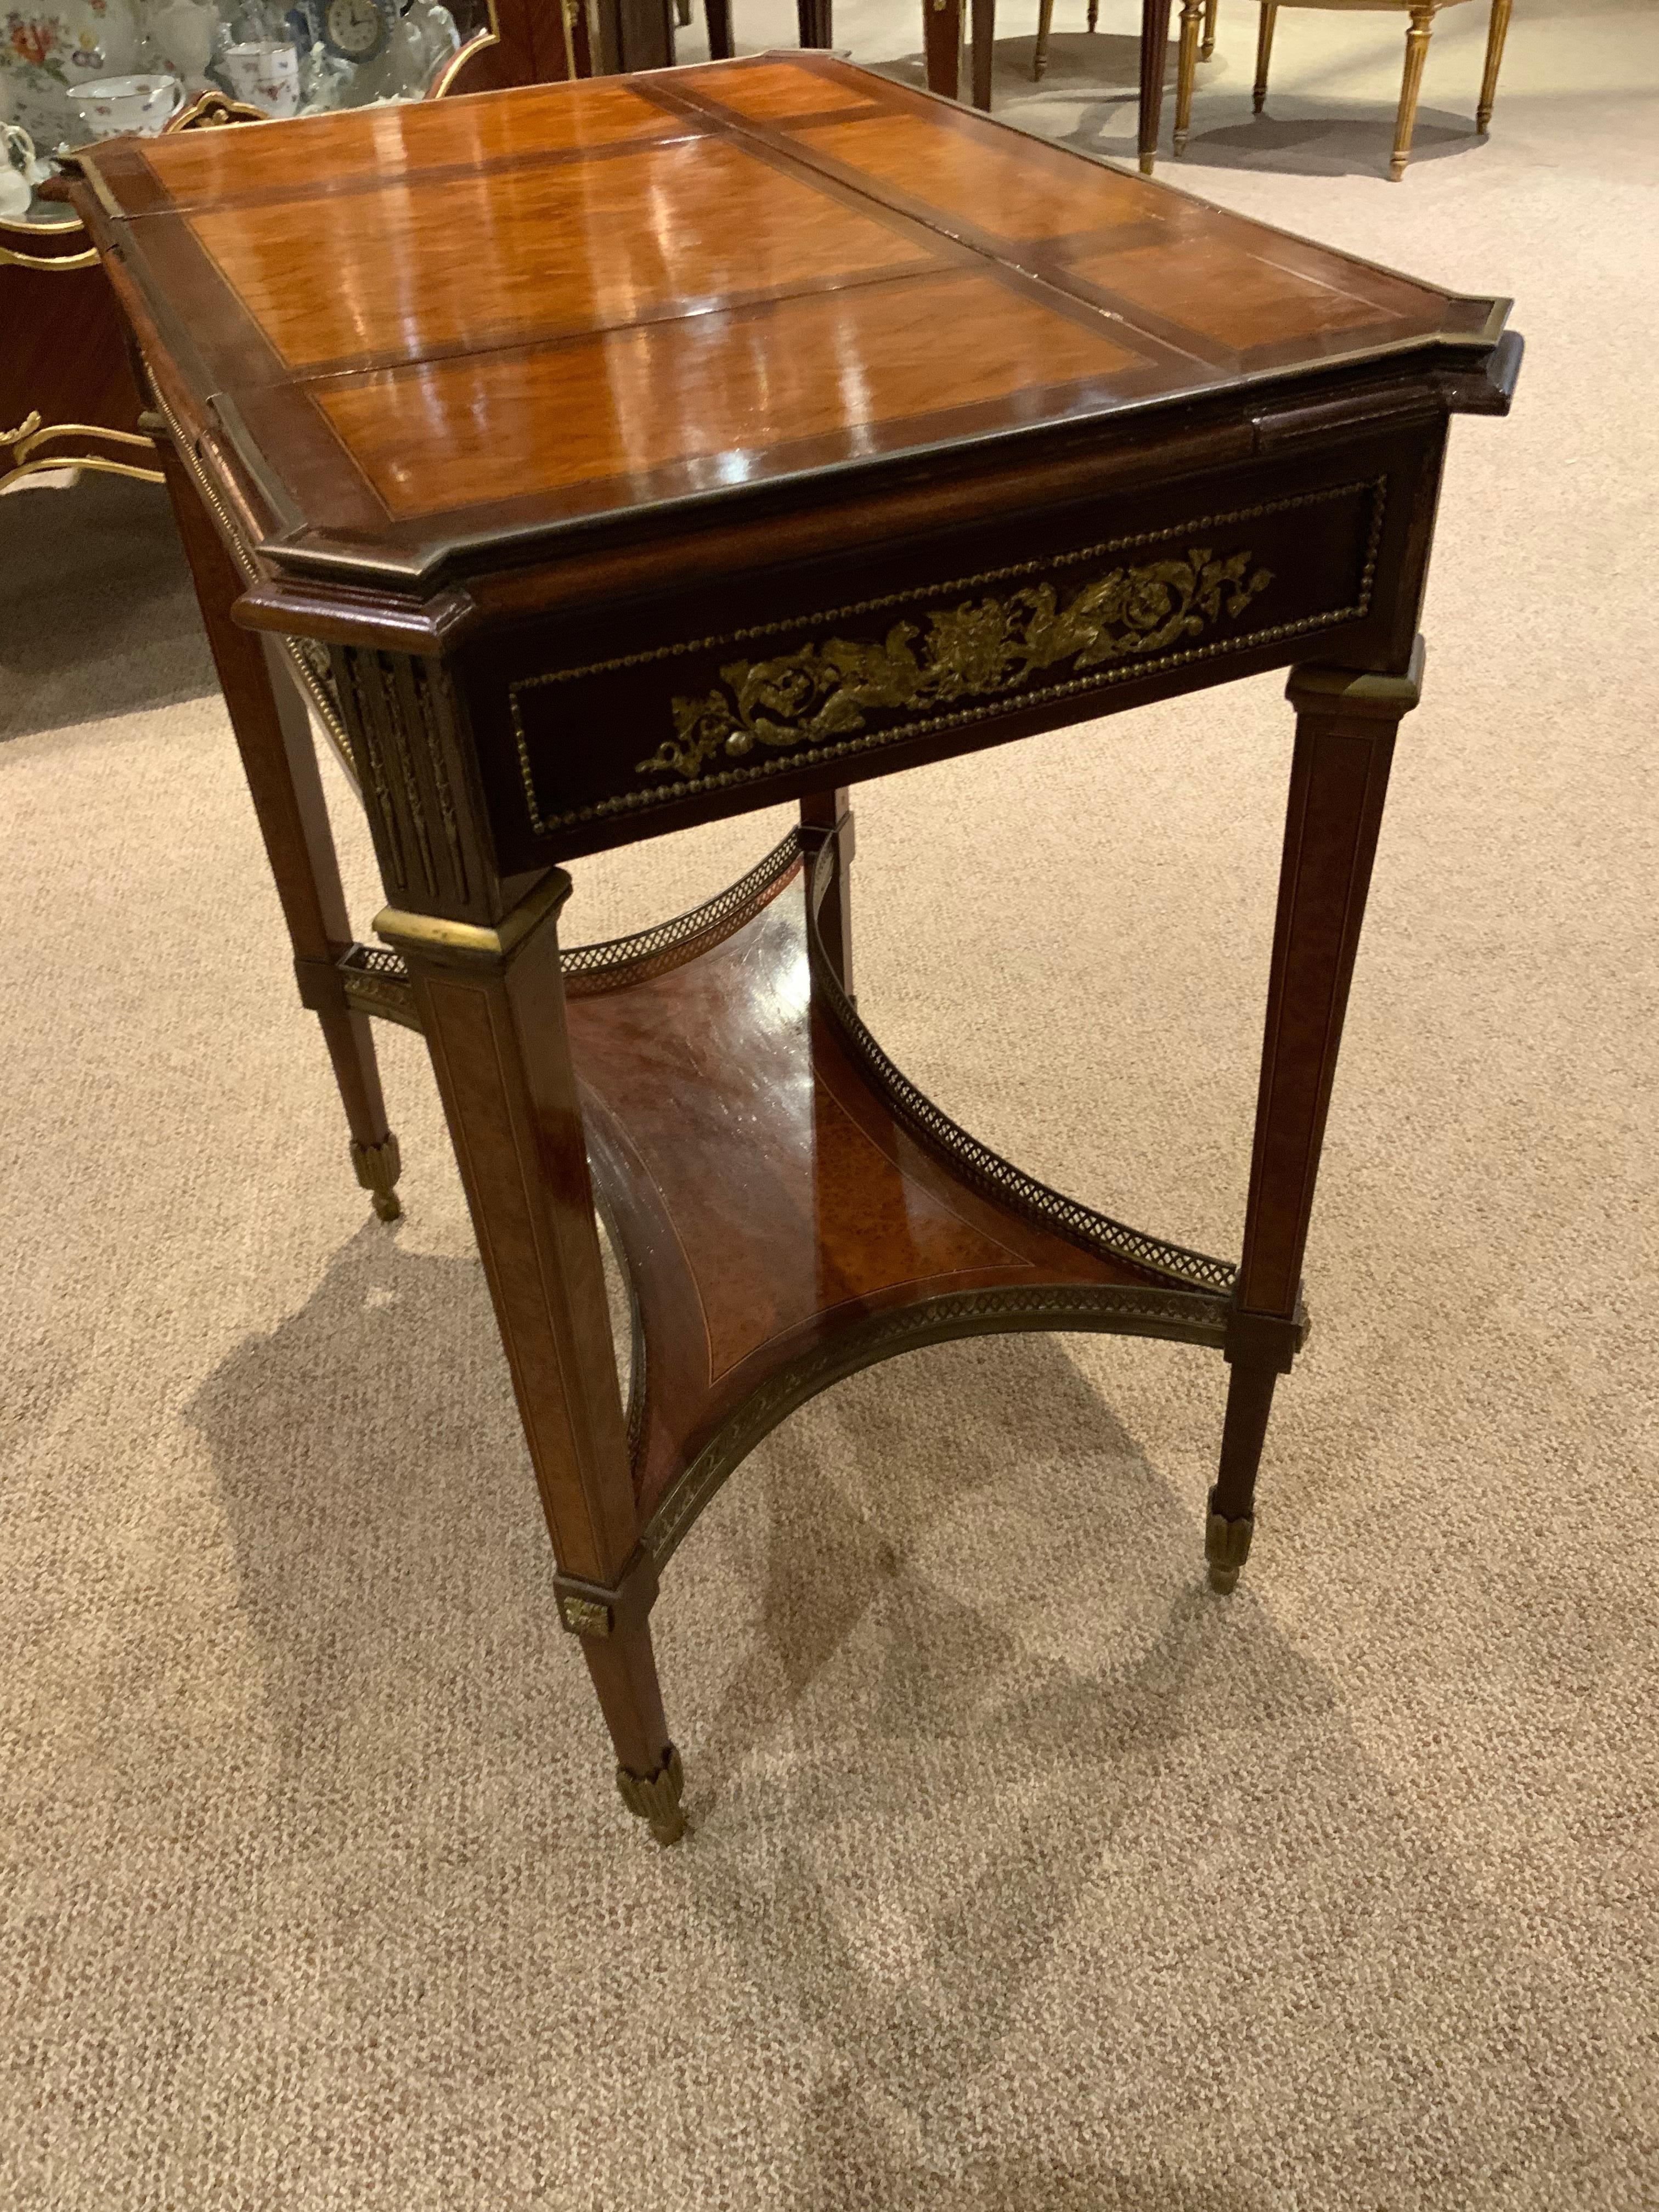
445 322
740 434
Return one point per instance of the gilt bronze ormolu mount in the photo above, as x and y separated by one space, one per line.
922 436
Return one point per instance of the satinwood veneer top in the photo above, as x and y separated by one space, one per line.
432 332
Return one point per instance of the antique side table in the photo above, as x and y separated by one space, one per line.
633 453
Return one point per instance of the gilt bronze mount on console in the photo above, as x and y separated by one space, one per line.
577 528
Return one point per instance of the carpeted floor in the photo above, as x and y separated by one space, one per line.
1026 1874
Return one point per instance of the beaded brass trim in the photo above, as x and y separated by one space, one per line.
976 1163
1127 1309
954 716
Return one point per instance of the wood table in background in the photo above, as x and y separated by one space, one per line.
941 21
915 435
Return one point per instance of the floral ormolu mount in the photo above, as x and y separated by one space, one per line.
971 651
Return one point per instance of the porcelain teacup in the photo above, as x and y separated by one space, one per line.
112 104
265 73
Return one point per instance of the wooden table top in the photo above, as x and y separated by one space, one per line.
428 331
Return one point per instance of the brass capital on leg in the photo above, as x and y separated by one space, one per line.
379 1167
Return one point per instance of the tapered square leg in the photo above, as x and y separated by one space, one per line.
279 758
1346 724
491 1002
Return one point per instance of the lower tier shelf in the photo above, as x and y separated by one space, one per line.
789 1208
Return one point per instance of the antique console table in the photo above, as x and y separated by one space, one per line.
914 435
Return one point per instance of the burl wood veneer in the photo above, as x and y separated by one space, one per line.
624 454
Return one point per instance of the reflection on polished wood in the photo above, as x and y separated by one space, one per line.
597 295
630 457
608 411
786 1218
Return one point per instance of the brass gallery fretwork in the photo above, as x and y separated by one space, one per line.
973 651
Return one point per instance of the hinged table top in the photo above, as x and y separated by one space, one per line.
426 330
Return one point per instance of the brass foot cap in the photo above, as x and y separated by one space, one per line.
378 1168
1226 1547
655 1798
1146 164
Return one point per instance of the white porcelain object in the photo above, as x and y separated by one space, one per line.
183 32
265 73
16 190
115 105
50 51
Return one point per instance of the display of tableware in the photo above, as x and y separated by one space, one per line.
51 50
113 105
265 73
184 34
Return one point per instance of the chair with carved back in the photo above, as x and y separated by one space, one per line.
1419 31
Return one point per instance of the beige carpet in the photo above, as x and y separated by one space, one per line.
1026 1874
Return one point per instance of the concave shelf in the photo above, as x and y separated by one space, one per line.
789 1208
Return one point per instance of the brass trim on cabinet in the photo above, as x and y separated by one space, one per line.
31 433
801 627
11 258
968 651
212 110
478 43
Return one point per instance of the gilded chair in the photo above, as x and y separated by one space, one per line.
1045 24
1420 29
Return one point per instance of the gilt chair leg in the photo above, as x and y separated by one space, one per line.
1496 36
1264 51
1186 69
1045 24
1211 12
1417 53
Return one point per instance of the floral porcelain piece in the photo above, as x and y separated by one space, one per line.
53 50
146 105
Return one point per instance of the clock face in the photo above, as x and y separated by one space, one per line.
354 29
